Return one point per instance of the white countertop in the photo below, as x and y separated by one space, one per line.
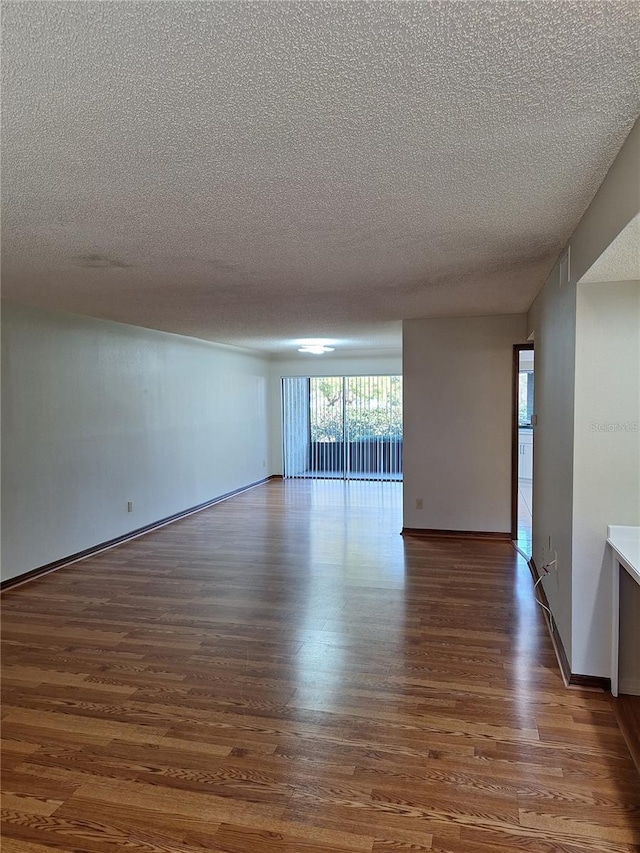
625 541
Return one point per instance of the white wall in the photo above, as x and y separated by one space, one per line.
457 421
606 487
95 414
613 207
578 588
329 364
553 319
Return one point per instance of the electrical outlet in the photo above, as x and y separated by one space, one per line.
264 463
129 506
419 503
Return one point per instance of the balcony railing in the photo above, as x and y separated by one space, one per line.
366 455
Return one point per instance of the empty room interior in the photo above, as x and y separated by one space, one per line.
320 426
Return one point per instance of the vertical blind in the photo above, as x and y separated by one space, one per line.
343 427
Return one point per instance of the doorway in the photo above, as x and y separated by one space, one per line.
522 448
342 427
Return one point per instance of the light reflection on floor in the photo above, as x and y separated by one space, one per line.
527 634
354 545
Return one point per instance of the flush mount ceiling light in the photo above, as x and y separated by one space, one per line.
315 349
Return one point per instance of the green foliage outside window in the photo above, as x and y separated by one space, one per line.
373 407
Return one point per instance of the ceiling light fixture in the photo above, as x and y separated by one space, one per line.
315 349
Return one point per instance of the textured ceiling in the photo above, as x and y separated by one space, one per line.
620 261
256 173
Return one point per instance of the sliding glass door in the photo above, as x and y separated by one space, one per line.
343 427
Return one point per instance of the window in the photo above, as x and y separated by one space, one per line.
525 397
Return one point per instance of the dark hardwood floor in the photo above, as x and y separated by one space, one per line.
284 672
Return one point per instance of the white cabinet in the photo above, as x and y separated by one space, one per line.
525 454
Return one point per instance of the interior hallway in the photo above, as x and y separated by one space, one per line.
284 672
524 539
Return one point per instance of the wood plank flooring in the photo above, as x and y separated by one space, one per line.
284 672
